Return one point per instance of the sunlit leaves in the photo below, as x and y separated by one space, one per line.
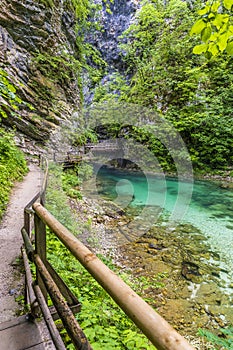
215 6
198 27
222 42
206 33
199 49
229 48
214 27
228 4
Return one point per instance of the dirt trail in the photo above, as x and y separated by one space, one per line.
11 279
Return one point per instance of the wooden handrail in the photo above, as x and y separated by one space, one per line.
161 334
47 279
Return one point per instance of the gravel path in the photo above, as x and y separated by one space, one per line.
11 279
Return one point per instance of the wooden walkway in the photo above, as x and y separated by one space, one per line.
22 334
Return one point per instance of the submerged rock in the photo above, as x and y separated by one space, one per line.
190 271
182 274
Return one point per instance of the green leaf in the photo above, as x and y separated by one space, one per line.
3 113
198 27
222 41
204 11
215 6
205 34
211 16
213 48
219 20
199 49
228 4
229 48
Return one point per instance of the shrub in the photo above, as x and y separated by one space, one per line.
12 167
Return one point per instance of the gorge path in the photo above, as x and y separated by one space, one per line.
11 279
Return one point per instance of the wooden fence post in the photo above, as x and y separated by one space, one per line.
40 249
27 225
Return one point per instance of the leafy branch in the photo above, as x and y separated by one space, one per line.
215 27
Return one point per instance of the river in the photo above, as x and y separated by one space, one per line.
210 208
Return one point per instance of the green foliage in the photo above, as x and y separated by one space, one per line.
10 101
163 65
82 136
59 69
215 27
194 93
80 7
84 171
114 89
12 167
94 66
70 184
223 341
57 201
104 324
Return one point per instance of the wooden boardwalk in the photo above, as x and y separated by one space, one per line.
22 334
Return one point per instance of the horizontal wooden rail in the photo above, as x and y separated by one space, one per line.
161 334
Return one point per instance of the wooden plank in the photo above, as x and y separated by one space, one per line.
21 334
40 249
74 308
64 289
49 320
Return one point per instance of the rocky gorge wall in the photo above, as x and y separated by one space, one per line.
113 21
114 17
39 61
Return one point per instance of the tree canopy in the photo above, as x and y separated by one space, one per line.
191 91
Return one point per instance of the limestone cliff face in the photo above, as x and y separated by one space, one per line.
38 59
113 24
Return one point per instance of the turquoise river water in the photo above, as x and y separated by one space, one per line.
204 204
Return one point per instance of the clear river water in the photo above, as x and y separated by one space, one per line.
203 204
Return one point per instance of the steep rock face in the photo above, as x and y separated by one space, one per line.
114 21
38 58
114 18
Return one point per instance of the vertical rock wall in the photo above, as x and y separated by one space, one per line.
114 17
38 86
114 21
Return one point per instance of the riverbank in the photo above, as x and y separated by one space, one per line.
219 176
185 285
223 177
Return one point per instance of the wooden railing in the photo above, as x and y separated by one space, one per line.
160 333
